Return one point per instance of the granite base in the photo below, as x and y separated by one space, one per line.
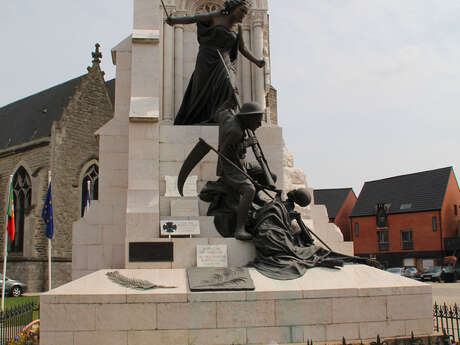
357 302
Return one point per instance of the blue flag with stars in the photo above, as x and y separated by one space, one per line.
47 214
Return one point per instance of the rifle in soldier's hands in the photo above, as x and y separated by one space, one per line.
256 148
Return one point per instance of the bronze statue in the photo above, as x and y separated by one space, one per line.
233 144
285 248
208 88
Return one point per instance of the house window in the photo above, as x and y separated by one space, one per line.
455 210
407 240
405 206
434 222
383 240
22 195
356 229
90 180
381 215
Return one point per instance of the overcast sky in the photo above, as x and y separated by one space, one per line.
367 89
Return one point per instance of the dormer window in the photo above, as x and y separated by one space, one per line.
405 206
381 216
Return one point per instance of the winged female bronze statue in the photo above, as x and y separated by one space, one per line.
208 88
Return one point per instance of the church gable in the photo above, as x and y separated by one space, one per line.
31 118
75 144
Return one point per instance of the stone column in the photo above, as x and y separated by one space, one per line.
257 49
168 72
178 66
246 83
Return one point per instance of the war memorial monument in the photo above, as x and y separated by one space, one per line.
190 243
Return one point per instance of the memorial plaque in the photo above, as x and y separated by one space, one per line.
211 255
184 208
190 188
151 251
219 279
179 227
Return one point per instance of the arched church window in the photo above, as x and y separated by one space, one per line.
209 7
89 182
22 195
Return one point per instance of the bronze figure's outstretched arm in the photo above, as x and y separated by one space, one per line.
198 18
245 52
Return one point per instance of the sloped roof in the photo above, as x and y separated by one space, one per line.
422 191
332 198
31 118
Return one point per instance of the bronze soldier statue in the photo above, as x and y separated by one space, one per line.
233 144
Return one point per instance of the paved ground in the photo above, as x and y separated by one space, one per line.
446 293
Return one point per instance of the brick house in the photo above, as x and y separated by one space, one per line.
52 130
408 220
339 203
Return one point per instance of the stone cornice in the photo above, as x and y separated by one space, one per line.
24 147
13 258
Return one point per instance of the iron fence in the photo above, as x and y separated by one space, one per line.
447 319
13 320
412 340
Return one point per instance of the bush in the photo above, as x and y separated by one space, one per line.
28 337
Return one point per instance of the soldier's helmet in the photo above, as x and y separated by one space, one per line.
300 196
250 109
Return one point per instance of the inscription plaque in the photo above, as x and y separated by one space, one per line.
189 186
151 251
179 227
211 255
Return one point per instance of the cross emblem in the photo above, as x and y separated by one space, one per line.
170 227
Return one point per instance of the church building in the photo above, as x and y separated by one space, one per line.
51 133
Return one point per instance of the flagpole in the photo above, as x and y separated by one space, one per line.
88 192
49 243
4 270
5 252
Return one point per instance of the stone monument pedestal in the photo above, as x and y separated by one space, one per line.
357 302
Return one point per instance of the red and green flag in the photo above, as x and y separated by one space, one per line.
10 227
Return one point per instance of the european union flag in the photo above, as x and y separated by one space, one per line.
47 214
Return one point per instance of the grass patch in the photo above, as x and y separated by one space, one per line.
14 301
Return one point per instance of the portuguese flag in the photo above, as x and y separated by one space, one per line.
10 227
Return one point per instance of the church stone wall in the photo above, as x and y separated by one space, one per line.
31 267
36 162
75 144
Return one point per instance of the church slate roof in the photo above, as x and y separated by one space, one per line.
332 198
31 118
418 192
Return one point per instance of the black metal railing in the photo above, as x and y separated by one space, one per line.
13 320
412 340
384 246
447 319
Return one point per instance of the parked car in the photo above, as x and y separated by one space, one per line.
396 270
13 287
450 274
432 273
411 272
